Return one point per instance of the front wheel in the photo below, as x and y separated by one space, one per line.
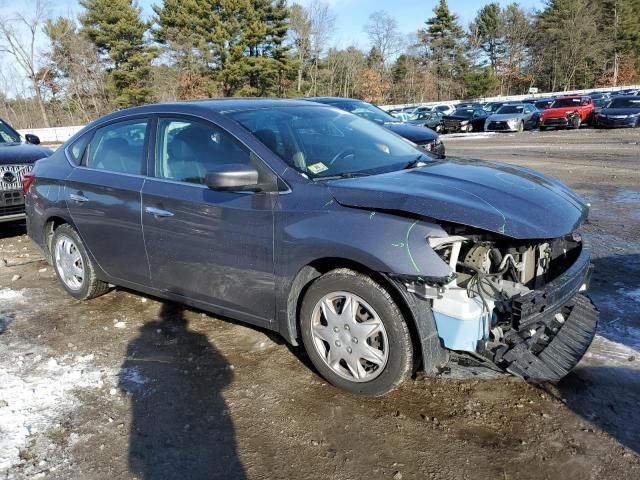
73 266
355 334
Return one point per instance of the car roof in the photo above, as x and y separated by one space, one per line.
333 99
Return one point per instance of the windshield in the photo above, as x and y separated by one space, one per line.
8 134
366 110
566 102
511 109
464 112
542 104
625 103
322 141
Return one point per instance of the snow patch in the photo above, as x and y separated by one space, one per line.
31 403
9 294
612 352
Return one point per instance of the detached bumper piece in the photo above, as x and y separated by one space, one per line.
557 346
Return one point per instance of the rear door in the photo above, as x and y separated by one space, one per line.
211 246
103 197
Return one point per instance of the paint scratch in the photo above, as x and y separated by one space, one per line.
409 249
329 203
371 215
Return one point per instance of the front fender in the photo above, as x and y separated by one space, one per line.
380 241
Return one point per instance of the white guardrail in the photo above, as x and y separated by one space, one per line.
510 98
62 134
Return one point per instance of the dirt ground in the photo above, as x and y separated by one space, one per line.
126 386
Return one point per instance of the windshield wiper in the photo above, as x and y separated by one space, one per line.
341 175
415 163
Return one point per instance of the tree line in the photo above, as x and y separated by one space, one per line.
109 56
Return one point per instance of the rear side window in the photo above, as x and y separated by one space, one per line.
118 147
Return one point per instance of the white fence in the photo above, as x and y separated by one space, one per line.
512 98
52 135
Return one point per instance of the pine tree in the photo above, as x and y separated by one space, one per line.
116 29
487 32
443 39
620 25
241 42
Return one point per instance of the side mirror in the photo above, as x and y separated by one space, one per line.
32 139
233 176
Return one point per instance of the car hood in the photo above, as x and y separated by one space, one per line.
559 112
513 201
12 153
414 133
620 111
503 117
456 118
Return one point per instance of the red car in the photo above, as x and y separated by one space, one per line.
568 112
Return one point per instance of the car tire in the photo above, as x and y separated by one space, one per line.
542 128
72 265
329 338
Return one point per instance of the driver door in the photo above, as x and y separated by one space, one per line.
214 247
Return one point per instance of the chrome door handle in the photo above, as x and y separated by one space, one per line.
78 198
158 213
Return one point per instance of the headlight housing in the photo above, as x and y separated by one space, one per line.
464 122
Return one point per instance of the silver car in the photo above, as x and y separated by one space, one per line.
514 117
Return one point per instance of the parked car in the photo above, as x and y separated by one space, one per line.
326 228
444 109
514 117
622 111
424 137
402 114
432 120
568 112
16 161
493 107
543 103
465 120
469 105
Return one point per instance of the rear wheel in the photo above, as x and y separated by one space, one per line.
355 334
73 266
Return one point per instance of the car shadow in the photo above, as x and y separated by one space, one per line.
12 229
608 398
5 320
180 423
616 292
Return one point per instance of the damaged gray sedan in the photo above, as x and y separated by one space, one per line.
322 226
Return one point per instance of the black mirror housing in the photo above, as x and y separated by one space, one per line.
233 176
32 139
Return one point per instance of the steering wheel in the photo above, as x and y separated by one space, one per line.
342 154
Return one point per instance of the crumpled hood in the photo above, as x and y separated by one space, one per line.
503 117
415 133
16 153
514 201
558 112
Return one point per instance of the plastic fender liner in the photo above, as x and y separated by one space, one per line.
434 355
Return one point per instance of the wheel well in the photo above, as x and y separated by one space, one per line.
49 227
315 269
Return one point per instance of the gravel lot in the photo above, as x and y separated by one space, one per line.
126 386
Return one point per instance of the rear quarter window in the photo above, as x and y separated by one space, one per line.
76 150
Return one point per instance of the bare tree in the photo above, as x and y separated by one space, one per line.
300 31
18 38
322 19
384 35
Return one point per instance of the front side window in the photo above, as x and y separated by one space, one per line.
8 134
118 147
323 141
187 149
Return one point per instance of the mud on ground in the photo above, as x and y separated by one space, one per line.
126 386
